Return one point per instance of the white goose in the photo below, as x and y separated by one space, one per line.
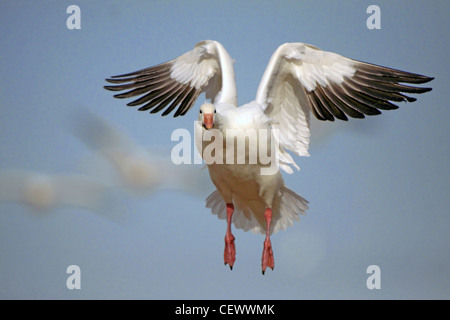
122 163
299 79
45 192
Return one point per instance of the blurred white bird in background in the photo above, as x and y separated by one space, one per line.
46 192
116 162
121 162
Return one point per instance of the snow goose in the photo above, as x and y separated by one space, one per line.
121 162
45 192
300 79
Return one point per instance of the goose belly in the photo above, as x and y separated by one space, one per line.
245 184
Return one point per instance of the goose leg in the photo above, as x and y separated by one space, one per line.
267 259
229 255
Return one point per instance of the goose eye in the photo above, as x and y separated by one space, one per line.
214 110
201 111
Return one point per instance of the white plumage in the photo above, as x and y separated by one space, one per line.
299 79
45 192
121 162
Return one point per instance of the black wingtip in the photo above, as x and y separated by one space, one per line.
115 81
426 79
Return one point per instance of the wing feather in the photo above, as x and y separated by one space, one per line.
176 84
329 86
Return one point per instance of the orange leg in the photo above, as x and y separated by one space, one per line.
229 255
267 255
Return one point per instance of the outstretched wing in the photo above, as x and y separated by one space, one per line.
177 83
301 78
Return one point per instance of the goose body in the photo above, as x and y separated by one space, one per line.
299 80
240 181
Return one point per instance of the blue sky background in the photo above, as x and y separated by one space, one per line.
378 188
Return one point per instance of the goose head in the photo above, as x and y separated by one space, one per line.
207 115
